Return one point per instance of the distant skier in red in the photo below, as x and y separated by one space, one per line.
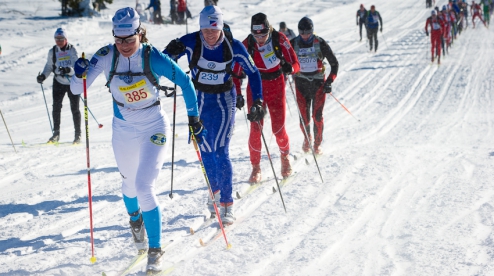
476 12
437 27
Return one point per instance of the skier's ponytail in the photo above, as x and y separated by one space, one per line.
142 31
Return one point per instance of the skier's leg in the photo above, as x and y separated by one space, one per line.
255 145
275 98
76 113
58 95
317 113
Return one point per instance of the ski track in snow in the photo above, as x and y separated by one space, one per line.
408 190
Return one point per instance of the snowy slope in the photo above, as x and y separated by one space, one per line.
408 190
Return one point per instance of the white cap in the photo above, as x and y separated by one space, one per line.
211 17
125 22
60 32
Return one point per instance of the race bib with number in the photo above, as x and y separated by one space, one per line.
436 26
268 56
136 92
211 78
307 59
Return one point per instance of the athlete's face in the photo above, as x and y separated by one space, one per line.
211 36
305 37
261 38
128 45
60 41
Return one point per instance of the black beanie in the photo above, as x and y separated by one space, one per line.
282 25
259 24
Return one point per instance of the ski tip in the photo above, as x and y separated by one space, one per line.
274 190
238 195
306 161
295 157
201 242
191 231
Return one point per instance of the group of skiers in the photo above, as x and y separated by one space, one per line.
218 64
372 21
446 24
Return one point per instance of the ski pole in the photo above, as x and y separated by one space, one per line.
47 112
305 132
343 106
211 195
8 131
271 162
90 197
99 125
173 137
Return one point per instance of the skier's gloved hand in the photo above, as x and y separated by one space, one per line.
357 23
240 101
287 68
81 66
426 33
256 112
64 70
175 47
40 78
327 88
381 29
196 128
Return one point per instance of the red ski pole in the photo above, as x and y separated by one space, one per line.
90 197
211 195
343 106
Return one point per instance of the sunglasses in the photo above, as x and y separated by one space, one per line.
305 32
128 39
260 36
59 39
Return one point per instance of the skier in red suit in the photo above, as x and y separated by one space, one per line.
437 27
274 57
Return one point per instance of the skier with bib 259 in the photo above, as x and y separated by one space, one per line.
274 57
211 53
372 22
61 59
310 82
140 125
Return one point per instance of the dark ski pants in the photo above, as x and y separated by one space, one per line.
372 35
361 23
311 96
59 91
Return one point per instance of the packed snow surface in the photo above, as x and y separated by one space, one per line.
408 189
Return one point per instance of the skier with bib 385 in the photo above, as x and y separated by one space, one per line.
140 125
273 56
372 22
61 59
211 53
310 82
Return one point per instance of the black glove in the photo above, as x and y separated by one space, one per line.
175 47
381 29
287 68
256 112
327 86
197 129
40 78
64 70
240 101
426 33
357 23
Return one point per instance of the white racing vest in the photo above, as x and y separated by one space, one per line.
268 55
134 92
